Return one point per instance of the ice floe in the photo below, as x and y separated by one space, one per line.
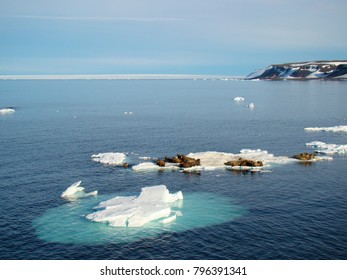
150 166
6 111
251 106
76 191
239 99
153 203
328 149
109 158
213 160
209 160
338 128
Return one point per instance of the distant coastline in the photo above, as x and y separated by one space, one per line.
309 70
121 77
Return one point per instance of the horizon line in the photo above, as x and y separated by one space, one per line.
92 18
117 77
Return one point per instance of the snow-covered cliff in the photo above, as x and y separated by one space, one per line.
302 70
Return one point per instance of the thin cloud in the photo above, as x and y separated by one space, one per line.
95 18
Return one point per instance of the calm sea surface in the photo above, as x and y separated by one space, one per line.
295 211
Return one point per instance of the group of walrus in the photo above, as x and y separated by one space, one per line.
244 162
186 162
304 156
182 161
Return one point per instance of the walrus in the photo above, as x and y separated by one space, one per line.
304 156
187 162
244 162
161 162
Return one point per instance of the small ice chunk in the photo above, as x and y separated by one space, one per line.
317 145
153 203
109 158
150 166
145 158
6 111
328 149
239 99
338 128
251 106
75 191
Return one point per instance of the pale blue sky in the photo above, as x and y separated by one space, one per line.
167 37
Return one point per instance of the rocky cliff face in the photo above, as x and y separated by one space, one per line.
302 71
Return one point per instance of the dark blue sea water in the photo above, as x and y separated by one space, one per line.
295 211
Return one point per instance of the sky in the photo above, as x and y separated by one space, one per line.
202 37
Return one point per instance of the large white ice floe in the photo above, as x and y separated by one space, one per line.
212 160
109 158
6 111
76 191
338 128
153 203
215 160
328 149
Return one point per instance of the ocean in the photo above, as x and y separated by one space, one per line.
289 210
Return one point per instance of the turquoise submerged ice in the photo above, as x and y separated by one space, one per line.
68 223
128 211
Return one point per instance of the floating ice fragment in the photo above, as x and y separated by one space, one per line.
317 145
328 149
152 204
75 191
239 99
150 166
6 111
109 158
145 158
251 106
338 128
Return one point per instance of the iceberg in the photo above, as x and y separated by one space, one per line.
153 203
338 128
75 191
109 158
6 111
328 149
